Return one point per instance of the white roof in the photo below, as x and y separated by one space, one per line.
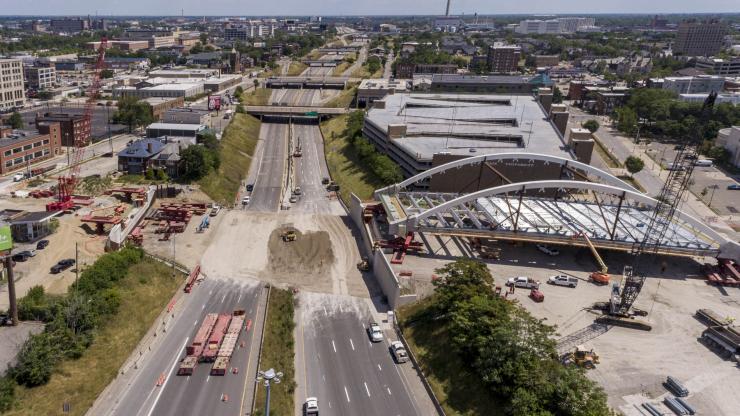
175 126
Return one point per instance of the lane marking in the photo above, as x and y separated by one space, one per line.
195 322
366 389
239 298
169 374
379 369
346 394
333 346
389 391
208 379
223 298
352 344
203 307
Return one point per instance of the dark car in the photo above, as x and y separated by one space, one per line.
42 244
250 187
734 187
22 256
62 265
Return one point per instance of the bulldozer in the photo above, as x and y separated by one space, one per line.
288 236
363 265
582 357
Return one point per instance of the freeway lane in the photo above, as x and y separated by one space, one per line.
268 186
198 394
343 369
310 168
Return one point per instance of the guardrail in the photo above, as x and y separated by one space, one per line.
259 351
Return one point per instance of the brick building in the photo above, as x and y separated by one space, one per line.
21 148
503 59
74 128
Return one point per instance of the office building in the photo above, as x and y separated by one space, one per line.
19 149
74 128
11 84
719 66
69 25
40 77
696 38
503 59
420 131
546 60
407 70
690 85
249 30
555 26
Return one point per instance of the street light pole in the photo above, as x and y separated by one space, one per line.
267 376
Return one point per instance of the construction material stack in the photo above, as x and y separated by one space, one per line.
229 343
210 352
720 335
195 349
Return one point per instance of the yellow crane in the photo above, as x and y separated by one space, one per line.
602 275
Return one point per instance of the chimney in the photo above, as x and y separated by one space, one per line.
149 147
560 120
545 96
447 12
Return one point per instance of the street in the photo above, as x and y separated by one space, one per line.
269 178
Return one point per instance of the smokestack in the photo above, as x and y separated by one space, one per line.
447 12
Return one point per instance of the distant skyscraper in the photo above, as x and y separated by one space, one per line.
699 38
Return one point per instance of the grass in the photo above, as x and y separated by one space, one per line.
144 293
296 68
277 353
363 72
237 149
344 166
458 391
344 99
632 181
606 155
259 96
339 69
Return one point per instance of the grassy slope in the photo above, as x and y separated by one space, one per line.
457 390
339 69
344 99
237 148
145 292
344 166
296 68
277 353
260 96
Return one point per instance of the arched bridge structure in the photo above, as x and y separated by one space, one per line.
611 213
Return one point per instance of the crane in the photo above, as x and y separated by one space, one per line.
602 275
66 184
625 293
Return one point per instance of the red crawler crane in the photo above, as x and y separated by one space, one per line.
66 184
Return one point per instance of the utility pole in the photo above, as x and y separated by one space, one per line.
11 290
77 264
174 253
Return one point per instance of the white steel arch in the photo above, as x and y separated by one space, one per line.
604 176
413 220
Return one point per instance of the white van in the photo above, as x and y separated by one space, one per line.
704 163
18 177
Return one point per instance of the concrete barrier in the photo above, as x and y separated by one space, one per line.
118 234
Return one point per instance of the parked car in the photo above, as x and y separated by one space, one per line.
62 265
734 187
522 281
548 250
42 244
21 257
325 181
245 200
293 199
399 352
215 210
311 407
373 330
563 280
250 187
297 190
704 163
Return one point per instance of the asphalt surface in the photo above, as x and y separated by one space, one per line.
268 185
310 169
346 372
199 393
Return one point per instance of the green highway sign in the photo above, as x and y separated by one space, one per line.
312 114
6 241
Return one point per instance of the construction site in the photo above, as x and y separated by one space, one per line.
636 271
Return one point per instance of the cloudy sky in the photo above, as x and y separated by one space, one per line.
354 7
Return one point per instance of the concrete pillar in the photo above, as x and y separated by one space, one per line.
560 119
545 97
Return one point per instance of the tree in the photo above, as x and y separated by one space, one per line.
591 125
634 165
197 162
106 73
204 38
16 120
557 95
256 83
133 113
240 109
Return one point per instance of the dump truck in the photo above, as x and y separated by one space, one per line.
288 236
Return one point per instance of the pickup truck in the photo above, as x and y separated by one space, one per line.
563 280
524 282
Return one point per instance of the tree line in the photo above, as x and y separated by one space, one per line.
381 165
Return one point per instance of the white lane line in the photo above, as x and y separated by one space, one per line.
211 292
169 374
203 307
366 389
195 322
346 394
325 312
379 369
389 391
223 298
333 346
208 379
352 344
239 298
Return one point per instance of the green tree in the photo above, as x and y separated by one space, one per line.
240 109
634 165
16 120
204 38
591 125
7 393
626 119
557 95
106 73
197 161
133 113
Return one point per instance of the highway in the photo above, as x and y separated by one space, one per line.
310 169
199 393
268 185
341 367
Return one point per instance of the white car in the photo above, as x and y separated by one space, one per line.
245 200
399 352
548 250
215 210
311 407
376 335
563 280
524 282
18 177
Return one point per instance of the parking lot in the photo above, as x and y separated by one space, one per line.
101 115
633 363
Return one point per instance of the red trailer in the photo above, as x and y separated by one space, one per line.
228 345
201 337
192 278
210 352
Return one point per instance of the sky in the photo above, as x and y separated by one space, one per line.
355 7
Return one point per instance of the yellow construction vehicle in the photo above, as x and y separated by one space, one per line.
602 275
582 357
288 236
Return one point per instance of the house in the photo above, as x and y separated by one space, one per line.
134 159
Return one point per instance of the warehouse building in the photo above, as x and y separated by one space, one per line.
499 84
421 131
19 149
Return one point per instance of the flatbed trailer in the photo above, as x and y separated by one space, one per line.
187 365
724 339
210 351
228 345
201 337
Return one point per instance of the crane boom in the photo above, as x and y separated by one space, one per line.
67 184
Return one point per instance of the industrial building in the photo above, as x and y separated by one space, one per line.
186 116
175 130
689 85
375 89
697 38
40 77
184 89
719 66
501 84
420 131
557 26
407 70
503 59
12 95
160 105
21 148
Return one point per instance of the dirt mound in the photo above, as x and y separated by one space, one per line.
309 253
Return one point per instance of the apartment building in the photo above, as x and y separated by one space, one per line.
503 59
21 148
74 128
555 26
11 84
719 66
40 77
69 25
250 30
697 38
